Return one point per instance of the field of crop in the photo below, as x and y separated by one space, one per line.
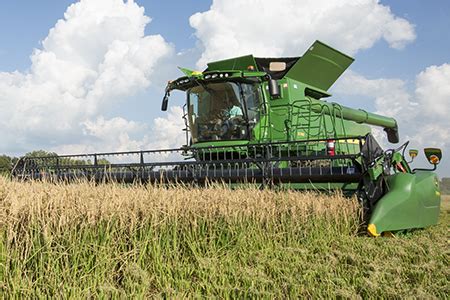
85 240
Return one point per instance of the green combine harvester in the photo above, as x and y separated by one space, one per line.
266 121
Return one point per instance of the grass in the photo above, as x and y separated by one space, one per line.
88 241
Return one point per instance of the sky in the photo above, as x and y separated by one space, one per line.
89 75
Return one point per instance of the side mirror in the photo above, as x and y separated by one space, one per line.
274 88
165 102
433 155
413 153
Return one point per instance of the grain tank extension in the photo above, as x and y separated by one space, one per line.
267 121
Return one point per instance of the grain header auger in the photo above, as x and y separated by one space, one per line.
266 121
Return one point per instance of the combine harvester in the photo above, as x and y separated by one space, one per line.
266 121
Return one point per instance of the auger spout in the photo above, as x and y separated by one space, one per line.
359 116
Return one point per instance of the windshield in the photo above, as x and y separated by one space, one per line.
217 111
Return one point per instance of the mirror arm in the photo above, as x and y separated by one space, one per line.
422 169
165 101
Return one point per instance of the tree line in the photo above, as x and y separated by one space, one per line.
7 163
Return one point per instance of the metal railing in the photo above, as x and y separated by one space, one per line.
281 162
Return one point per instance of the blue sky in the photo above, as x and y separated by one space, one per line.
380 66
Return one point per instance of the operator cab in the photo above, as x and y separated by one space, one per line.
223 111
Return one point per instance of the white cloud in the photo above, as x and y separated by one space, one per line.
433 91
430 122
119 134
287 27
95 56
105 135
167 131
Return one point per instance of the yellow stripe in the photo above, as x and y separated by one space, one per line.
351 141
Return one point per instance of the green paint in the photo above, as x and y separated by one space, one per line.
187 72
237 63
320 66
413 201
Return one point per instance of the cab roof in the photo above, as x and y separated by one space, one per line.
320 66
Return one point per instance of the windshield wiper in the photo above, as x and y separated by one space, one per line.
205 87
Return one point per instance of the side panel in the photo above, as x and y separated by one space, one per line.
413 201
320 66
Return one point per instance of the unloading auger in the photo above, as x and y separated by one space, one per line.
266 121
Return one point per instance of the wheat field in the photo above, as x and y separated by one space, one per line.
109 240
